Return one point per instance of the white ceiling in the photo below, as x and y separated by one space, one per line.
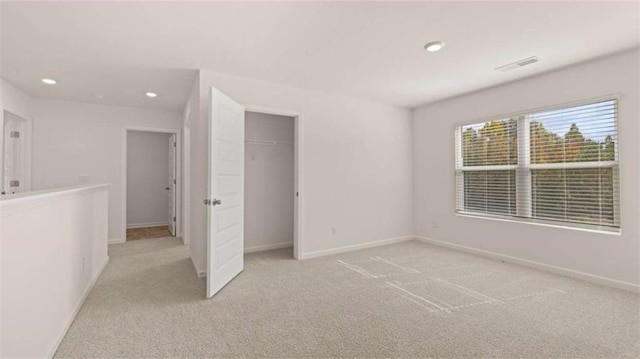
368 50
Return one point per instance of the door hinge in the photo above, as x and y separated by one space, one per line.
14 183
174 219
14 134
174 181
174 144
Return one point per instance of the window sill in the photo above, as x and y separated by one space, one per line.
543 223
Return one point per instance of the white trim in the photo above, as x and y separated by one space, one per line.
16 203
200 273
268 247
146 225
186 185
123 176
536 265
585 227
116 241
355 247
298 165
77 308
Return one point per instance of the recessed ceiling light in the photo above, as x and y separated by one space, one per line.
151 94
434 46
49 81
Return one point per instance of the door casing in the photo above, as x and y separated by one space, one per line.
123 179
298 171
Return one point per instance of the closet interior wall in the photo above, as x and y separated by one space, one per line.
269 181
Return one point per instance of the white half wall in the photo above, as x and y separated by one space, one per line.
54 247
76 142
357 167
606 255
268 185
147 178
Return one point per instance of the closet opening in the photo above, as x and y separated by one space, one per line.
271 191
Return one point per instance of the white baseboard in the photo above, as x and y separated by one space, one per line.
116 240
199 273
355 247
268 247
537 265
145 225
78 307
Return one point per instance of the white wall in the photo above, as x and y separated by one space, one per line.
611 256
54 247
75 142
357 174
16 101
268 186
147 178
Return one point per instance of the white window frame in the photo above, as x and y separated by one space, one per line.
524 167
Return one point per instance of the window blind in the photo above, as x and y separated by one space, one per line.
559 165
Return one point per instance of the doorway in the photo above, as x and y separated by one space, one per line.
269 181
15 172
151 183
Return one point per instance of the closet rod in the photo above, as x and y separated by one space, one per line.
266 142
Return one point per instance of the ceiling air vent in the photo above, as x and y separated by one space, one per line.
519 63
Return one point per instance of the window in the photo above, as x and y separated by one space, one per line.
556 165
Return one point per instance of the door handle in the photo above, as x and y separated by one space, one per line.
167 188
212 202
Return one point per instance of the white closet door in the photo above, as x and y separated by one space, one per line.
172 184
225 203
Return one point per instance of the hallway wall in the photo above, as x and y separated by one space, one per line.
78 143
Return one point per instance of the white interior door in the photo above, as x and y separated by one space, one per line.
172 184
225 203
13 154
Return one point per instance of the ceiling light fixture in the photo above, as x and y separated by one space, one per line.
99 96
434 46
151 94
49 81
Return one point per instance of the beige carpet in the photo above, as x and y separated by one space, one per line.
407 300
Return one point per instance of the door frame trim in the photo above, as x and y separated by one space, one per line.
123 177
298 168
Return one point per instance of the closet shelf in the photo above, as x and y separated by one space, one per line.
266 142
